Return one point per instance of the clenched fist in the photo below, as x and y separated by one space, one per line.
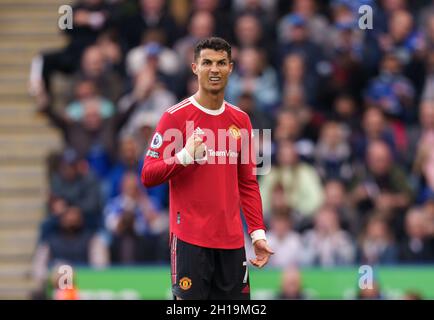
195 147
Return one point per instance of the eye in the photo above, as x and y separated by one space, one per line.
222 63
206 62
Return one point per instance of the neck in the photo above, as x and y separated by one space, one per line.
209 100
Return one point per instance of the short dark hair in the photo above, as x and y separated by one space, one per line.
214 43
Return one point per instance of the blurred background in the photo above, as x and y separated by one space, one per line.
352 119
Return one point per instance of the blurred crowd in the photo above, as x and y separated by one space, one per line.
351 112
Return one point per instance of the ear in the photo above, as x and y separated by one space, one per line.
194 67
231 67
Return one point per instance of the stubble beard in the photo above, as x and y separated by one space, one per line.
215 91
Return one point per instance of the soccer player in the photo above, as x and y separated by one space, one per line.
210 178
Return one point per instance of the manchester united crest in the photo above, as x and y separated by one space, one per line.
185 283
235 132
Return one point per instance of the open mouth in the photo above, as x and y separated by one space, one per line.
214 79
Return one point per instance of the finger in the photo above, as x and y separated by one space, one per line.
196 136
254 262
192 137
198 143
263 262
269 250
200 149
260 264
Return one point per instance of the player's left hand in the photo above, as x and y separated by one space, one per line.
262 252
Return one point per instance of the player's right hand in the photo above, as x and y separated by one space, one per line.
195 147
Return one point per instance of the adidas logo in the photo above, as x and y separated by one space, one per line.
198 131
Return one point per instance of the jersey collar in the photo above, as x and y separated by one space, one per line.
206 110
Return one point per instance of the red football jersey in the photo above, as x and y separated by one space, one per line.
206 196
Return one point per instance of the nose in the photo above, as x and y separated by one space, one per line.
214 68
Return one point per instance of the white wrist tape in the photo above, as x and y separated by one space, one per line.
258 235
184 157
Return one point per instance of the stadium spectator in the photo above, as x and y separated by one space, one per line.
93 136
201 25
254 76
152 14
129 160
327 244
293 126
428 28
295 78
421 137
374 127
287 126
428 86
376 243
74 185
345 111
278 203
91 18
56 206
94 66
285 241
342 11
135 226
425 166
412 295
402 37
308 119
416 247
317 24
425 12
333 153
110 46
300 181
428 207
259 119
86 89
153 51
391 91
148 96
371 293
382 185
262 8
220 13
336 197
346 52
250 31
291 285
71 244
296 39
